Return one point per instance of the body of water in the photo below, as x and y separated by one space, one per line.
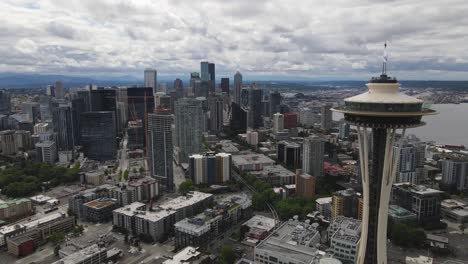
449 127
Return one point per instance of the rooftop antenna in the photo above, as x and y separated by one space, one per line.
385 58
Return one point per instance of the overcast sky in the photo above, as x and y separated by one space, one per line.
427 39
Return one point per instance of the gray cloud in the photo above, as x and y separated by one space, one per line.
336 38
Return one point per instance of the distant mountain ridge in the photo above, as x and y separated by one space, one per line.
28 80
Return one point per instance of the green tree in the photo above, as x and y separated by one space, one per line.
56 238
142 170
56 250
227 255
186 187
125 175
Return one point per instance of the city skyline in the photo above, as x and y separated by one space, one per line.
343 40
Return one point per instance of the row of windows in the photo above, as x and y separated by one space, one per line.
376 107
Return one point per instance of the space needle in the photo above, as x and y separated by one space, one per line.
379 115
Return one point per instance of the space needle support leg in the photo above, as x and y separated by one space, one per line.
364 162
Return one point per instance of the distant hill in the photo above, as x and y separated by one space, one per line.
20 80
27 80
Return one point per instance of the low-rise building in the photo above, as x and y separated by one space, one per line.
251 162
423 201
188 205
293 242
16 208
90 255
324 206
344 234
275 175
399 214
155 225
259 228
186 255
99 210
202 229
419 260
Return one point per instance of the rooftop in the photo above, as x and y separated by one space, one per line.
81 255
246 159
261 222
185 200
419 189
183 256
294 239
274 170
101 203
324 200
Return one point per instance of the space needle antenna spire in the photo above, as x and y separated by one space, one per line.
385 58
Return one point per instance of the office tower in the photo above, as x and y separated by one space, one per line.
278 123
161 147
204 70
290 120
164 101
455 173
163 87
420 200
78 107
179 87
326 117
383 110
237 88
238 119
23 140
50 90
189 126
103 100
98 135
135 134
63 126
46 152
59 92
275 102
305 184
140 103
347 203
406 163
210 168
194 84
86 96
32 110
151 79
283 108
289 153
225 85
266 106
313 152
211 71
344 131
216 114
255 108
7 142
5 103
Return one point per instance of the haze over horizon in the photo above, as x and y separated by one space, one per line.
262 39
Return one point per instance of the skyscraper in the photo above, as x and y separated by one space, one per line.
225 85
205 71
383 110
151 79
59 92
210 168
50 90
140 103
278 123
98 135
5 103
179 87
212 72
78 107
255 108
161 147
195 82
63 126
326 117
189 126
313 151
344 131
275 102
104 99
215 104
406 163
33 111
237 88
